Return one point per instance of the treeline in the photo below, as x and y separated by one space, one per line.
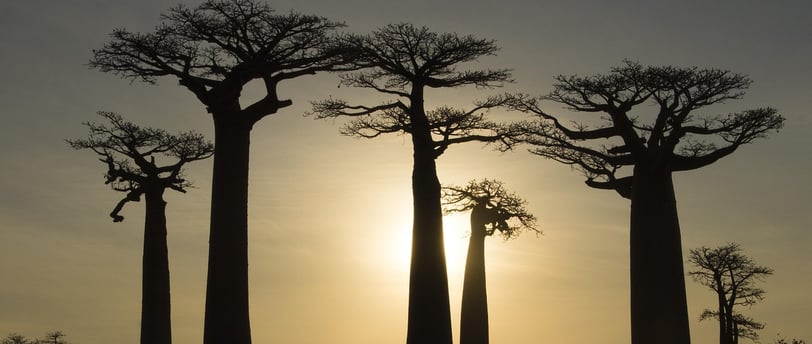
652 122
52 337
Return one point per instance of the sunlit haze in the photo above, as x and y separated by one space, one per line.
330 216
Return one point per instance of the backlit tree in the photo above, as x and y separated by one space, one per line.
494 210
133 157
732 275
213 51
16 338
54 337
402 62
648 127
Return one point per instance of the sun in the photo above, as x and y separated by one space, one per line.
397 247
455 236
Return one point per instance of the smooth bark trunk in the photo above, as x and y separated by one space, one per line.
429 319
474 312
155 296
659 311
429 309
227 319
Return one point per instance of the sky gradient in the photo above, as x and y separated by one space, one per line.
330 216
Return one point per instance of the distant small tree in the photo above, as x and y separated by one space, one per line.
491 206
16 338
732 276
640 125
54 337
130 152
402 62
790 341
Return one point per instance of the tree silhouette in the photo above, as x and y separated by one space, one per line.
130 152
791 341
491 208
54 337
401 61
214 50
675 139
15 338
732 276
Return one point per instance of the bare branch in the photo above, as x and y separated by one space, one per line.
132 196
525 103
453 126
623 185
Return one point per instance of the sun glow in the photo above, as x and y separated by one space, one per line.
456 231
395 250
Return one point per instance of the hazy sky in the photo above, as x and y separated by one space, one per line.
330 216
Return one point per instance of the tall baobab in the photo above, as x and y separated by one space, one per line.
491 206
649 123
130 152
402 62
213 51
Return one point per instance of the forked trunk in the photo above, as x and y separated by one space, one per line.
474 313
659 312
429 320
155 303
226 319
724 338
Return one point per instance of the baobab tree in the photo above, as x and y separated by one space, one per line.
491 206
649 124
732 275
402 61
129 152
213 51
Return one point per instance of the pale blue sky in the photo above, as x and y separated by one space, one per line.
329 214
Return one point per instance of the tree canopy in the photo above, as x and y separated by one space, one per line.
398 56
133 155
509 216
401 60
646 112
218 47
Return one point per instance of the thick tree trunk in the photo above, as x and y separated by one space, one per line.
659 311
429 309
474 313
429 320
155 303
227 319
